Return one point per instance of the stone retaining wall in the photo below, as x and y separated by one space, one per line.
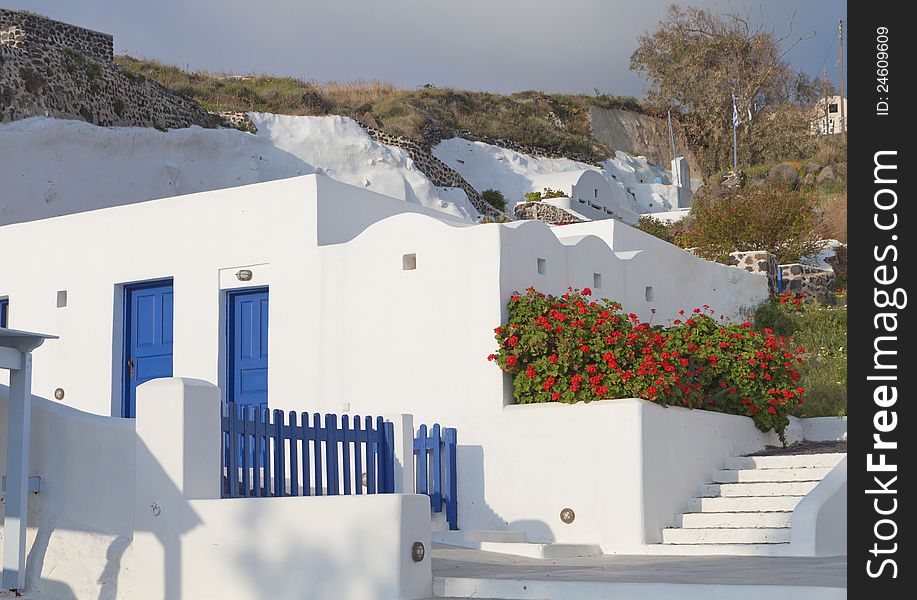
757 261
19 29
438 172
542 211
53 69
814 282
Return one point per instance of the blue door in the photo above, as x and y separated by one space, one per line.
148 309
4 312
247 326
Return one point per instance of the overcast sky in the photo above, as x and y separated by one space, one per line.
494 45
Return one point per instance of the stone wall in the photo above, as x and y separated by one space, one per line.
19 29
542 211
439 173
816 283
758 261
38 77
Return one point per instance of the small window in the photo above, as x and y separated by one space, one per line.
542 266
595 192
62 299
648 293
409 262
4 311
832 108
597 280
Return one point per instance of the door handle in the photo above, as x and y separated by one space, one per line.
130 365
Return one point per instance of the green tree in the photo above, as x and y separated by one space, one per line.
696 60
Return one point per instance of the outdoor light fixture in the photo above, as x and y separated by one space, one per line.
567 515
244 275
418 551
59 394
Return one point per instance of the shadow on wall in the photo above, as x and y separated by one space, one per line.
71 557
472 499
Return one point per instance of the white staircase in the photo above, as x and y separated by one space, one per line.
746 508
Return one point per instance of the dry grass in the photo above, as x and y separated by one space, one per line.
832 223
529 118
357 93
831 150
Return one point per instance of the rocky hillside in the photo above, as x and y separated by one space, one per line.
586 128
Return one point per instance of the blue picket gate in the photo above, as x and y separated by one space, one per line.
266 454
435 469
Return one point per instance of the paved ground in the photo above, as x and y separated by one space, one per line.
710 570
805 447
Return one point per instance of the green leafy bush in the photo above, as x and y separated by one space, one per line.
656 228
550 193
775 219
822 330
575 349
494 198
532 196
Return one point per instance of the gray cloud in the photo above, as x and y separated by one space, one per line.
499 45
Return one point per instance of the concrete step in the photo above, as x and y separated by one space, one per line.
789 461
790 488
740 504
726 536
719 549
451 537
725 520
770 475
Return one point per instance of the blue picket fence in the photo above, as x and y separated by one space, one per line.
272 453
435 469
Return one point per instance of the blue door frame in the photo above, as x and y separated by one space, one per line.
246 347
148 325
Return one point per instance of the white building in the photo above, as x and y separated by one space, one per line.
827 115
348 272
586 193
352 302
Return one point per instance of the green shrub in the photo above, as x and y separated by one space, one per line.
775 219
549 193
572 349
822 331
119 106
494 198
656 228
532 196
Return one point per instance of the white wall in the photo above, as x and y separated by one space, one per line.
80 524
588 193
189 543
819 521
626 467
93 531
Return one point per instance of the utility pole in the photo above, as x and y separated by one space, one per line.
824 89
840 50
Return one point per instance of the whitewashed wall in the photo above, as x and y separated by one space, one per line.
347 321
93 532
80 524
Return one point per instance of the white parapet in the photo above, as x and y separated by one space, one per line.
190 543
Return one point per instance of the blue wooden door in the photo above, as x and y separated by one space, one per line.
148 310
4 312
247 347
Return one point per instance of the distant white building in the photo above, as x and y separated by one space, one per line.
586 193
827 119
